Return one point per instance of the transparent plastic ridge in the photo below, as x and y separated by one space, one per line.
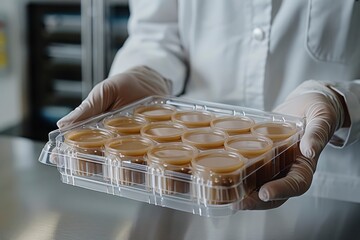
173 187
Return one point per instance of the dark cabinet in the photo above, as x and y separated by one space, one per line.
54 63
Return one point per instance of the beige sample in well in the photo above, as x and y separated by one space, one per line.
193 119
285 147
163 131
218 176
257 150
155 112
233 125
124 125
130 152
87 141
173 159
205 139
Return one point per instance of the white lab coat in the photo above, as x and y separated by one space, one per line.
254 53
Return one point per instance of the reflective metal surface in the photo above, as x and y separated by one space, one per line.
34 204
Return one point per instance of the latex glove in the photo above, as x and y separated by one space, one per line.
117 91
324 112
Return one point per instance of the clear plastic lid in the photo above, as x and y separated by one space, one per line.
87 137
218 161
213 184
204 138
249 145
155 112
233 124
276 131
172 153
163 131
124 124
193 119
129 145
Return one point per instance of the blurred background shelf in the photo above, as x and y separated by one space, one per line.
66 57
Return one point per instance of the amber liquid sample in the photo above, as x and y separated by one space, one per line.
173 160
278 132
163 131
218 176
287 151
205 139
233 125
87 141
193 119
124 125
130 152
258 168
156 112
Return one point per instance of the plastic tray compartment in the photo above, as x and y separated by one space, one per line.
258 147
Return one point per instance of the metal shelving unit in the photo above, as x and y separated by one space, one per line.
71 45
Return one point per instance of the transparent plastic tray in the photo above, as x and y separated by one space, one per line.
173 189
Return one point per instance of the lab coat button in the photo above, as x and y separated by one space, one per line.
258 34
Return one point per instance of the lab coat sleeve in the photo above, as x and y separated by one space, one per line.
350 90
153 41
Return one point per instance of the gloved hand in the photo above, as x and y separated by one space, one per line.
324 112
117 91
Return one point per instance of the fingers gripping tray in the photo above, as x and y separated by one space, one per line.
194 156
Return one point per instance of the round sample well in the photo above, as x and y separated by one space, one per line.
285 146
174 160
220 173
130 151
163 131
124 125
193 119
205 139
233 125
257 149
156 112
87 141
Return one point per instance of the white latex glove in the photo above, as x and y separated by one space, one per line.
324 112
117 91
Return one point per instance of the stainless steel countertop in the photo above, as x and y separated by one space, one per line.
34 204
